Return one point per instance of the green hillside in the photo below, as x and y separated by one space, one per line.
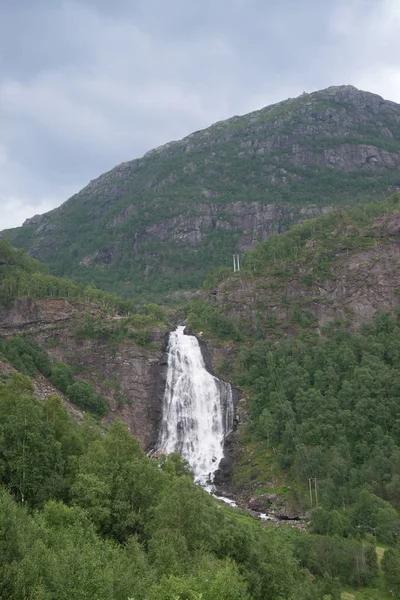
84 513
90 314
163 222
291 282
322 409
22 276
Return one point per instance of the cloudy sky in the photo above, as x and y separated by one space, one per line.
86 84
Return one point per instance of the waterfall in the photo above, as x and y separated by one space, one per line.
197 408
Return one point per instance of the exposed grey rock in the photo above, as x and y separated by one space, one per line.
102 257
140 372
35 220
262 502
254 220
361 282
47 228
124 216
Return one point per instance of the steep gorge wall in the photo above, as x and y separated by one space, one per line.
118 371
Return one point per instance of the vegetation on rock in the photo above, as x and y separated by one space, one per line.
29 358
83 512
163 222
330 408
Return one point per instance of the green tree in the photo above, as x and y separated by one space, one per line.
62 376
82 394
391 569
31 461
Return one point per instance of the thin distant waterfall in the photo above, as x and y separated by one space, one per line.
197 408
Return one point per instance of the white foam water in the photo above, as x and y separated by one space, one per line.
197 408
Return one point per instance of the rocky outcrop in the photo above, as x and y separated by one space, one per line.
361 282
35 220
387 225
131 378
348 157
255 222
25 314
103 256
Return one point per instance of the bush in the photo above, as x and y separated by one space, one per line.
203 316
82 394
62 376
391 569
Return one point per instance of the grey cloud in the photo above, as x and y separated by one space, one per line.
86 84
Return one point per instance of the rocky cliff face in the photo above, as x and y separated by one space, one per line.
125 370
180 211
254 220
360 282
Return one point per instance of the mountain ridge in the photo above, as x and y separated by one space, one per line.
162 222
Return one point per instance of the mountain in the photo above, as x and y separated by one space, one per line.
163 222
336 269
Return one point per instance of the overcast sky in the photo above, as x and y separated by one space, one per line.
87 84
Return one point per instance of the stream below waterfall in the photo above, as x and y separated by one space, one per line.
197 408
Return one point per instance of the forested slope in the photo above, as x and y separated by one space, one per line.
310 330
84 513
23 276
99 352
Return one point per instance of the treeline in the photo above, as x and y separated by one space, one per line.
29 358
330 407
85 514
21 275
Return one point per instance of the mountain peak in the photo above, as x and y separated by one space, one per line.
163 221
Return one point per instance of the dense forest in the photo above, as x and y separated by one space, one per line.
331 406
325 409
85 514
323 403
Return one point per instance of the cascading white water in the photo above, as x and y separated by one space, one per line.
197 408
